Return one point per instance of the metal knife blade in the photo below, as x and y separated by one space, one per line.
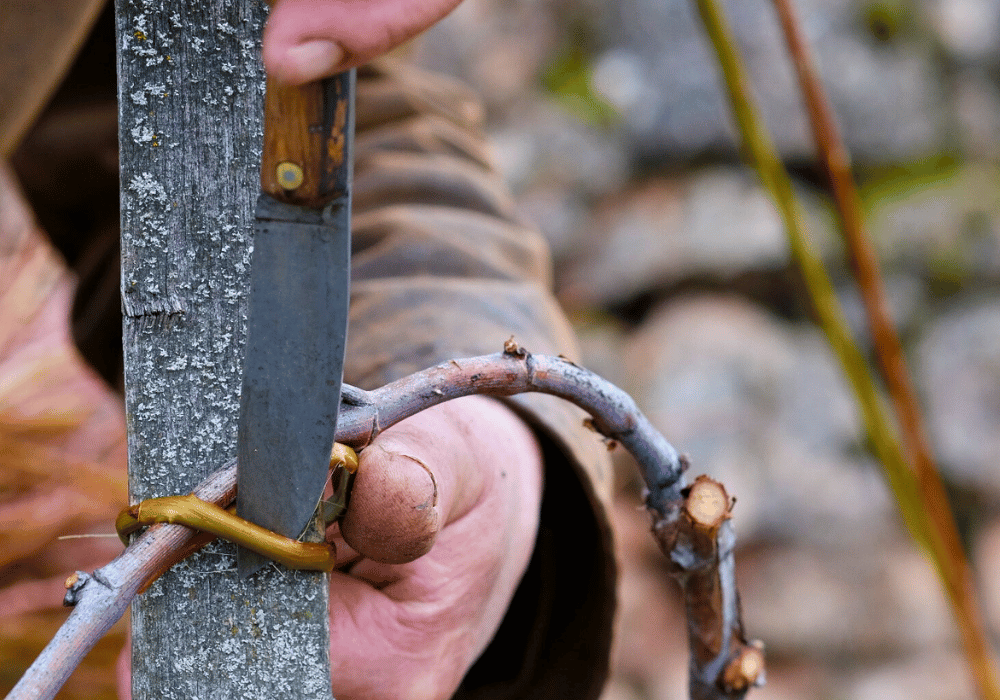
297 316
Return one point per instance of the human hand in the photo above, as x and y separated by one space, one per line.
441 525
459 486
306 40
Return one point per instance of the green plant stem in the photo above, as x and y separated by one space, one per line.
829 314
947 548
921 502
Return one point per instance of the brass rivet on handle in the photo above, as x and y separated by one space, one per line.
290 175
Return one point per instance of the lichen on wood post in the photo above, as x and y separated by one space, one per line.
190 108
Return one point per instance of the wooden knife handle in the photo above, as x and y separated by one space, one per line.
308 133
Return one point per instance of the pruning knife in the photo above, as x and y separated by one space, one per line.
297 315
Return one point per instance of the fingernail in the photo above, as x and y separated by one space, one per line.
313 60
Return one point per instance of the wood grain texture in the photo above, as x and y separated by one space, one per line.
306 126
191 89
293 119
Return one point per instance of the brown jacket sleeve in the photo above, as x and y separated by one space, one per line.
443 267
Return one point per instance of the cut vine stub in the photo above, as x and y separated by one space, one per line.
707 503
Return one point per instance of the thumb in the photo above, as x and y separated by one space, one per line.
305 40
415 478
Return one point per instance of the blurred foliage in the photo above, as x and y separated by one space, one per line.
875 181
568 79
886 20
938 216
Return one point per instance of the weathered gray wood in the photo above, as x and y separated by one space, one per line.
191 95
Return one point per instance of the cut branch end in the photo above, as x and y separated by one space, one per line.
707 503
746 668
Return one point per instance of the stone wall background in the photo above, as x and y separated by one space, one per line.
608 120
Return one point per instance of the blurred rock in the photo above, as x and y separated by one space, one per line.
881 76
670 229
940 220
795 681
654 645
651 645
869 595
651 60
934 675
498 46
560 213
966 28
760 405
906 296
543 145
987 563
602 339
977 108
710 223
557 164
958 369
